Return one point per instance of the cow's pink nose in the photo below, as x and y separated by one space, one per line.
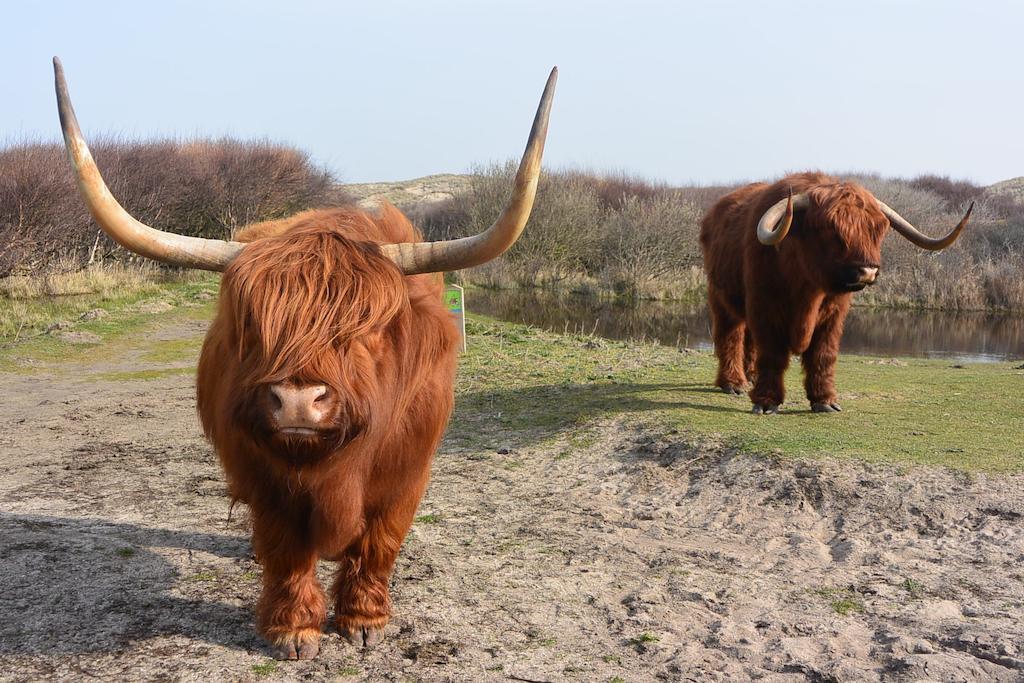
299 407
868 274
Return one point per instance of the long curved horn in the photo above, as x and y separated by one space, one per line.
449 255
903 227
178 250
770 230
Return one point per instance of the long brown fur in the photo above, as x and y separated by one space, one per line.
312 299
767 303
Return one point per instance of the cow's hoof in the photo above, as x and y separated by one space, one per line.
303 644
732 389
768 409
362 636
826 408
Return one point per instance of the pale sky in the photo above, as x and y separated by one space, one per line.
683 92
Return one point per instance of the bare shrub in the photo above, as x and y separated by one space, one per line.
196 187
647 241
441 220
955 192
563 234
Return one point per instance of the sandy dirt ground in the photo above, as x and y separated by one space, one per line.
627 555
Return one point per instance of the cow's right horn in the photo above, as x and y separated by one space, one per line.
449 255
168 247
770 229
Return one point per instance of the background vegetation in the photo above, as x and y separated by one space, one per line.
606 234
629 237
205 188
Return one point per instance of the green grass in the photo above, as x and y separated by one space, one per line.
141 375
265 668
28 304
845 606
428 519
842 601
173 350
915 589
518 386
644 638
25 345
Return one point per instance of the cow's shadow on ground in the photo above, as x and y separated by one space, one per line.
523 416
77 585
530 414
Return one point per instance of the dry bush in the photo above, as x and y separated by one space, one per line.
649 242
955 192
198 187
616 232
615 189
441 220
561 240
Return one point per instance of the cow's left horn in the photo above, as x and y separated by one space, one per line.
449 255
770 229
903 227
178 250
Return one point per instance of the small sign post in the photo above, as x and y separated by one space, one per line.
454 299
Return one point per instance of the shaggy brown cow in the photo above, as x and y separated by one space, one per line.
782 262
324 383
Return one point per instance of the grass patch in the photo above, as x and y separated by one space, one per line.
842 601
126 552
203 577
644 638
428 519
28 304
520 386
142 375
24 342
173 350
845 606
915 589
266 668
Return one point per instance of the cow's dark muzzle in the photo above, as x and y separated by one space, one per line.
856 278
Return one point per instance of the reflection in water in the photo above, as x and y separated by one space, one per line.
879 332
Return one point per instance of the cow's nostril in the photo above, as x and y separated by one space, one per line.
275 400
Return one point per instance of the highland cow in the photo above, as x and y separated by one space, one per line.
782 262
324 384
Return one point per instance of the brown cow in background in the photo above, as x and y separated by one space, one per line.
325 382
782 262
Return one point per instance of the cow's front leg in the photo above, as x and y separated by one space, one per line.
819 361
728 332
362 599
291 609
769 386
